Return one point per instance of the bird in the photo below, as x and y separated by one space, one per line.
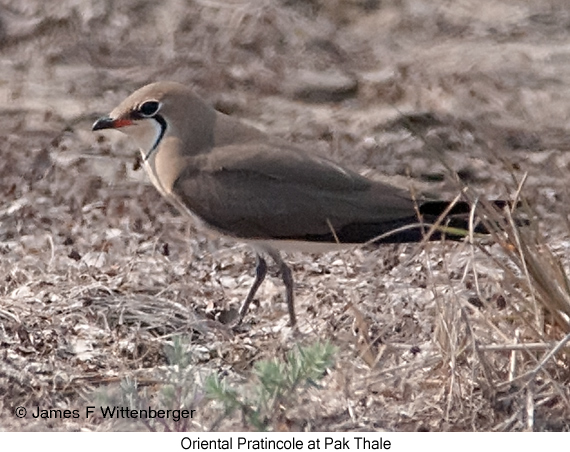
239 182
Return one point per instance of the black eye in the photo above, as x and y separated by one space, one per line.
149 108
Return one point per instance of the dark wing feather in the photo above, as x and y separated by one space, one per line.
276 191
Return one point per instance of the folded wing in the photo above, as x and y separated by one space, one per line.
278 192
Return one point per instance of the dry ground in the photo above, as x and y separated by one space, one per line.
98 273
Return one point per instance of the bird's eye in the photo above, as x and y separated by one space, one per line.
149 108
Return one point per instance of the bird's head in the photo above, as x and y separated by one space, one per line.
154 111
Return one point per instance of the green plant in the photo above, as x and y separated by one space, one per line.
278 386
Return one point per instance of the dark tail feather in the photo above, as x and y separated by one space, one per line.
436 208
454 226
458 216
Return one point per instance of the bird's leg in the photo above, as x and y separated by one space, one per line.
287 277
288 281
260 272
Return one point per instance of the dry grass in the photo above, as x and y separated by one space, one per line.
99 275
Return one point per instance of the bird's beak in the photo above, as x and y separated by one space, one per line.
106 122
